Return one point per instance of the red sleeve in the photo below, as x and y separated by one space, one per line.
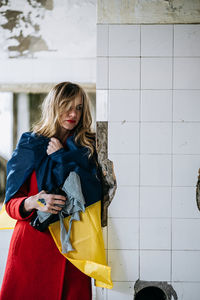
14 207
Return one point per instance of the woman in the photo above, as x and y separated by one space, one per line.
61 142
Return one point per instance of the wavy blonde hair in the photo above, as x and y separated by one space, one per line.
55 102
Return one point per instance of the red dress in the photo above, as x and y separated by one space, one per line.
35 268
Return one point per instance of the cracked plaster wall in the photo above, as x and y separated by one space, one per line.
148 11
47 41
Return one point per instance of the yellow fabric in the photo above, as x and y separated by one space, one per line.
6 222
87 240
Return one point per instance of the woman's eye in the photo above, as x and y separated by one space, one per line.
79 107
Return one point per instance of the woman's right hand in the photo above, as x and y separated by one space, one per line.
42 201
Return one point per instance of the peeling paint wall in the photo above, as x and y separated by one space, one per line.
47 28
145 11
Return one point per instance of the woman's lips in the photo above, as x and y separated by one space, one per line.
71 121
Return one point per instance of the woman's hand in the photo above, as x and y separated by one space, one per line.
54 145
45 202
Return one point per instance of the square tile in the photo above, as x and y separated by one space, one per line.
156 105
155 265
123 233
126 168
155 170
186 265
156 40
121 290
124 73
101 105
124 264
5 237
123 137
155 234
105 236
185 235
99 293
185 170
102 40
156 138
124 40
125 197
187 40
186 105
185 139
155 202
156 73
124 105
102 73
187 290
186 73
182 205
3 260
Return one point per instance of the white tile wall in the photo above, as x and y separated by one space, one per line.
124 264
187 40
123 233
155 265
121 290
126 168
102 73
102 105
125 203
184 203
5 236
124 40
156 105
102 40
156 73
185 170
186 105
185 139
124 73
186 73
155 202
153 114
155 234
156 138
187 290
124 105
117 137
186 266
155 170
156 40
185 234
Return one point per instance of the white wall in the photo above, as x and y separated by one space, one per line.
49 42
148 90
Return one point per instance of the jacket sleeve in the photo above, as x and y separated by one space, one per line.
14 206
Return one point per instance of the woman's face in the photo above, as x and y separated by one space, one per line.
70 118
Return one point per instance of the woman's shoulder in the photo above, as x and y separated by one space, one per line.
31 139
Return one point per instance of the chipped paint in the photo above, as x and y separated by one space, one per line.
148 12
47 28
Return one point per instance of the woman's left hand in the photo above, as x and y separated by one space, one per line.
54 145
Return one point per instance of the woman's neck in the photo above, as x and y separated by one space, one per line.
63 134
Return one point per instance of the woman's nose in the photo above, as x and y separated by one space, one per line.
73 113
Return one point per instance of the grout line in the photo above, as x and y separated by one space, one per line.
149 24
172 132
139 182
149 57
134 89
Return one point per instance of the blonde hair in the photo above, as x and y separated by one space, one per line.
58 99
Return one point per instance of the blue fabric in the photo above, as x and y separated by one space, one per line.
73 205
52 170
